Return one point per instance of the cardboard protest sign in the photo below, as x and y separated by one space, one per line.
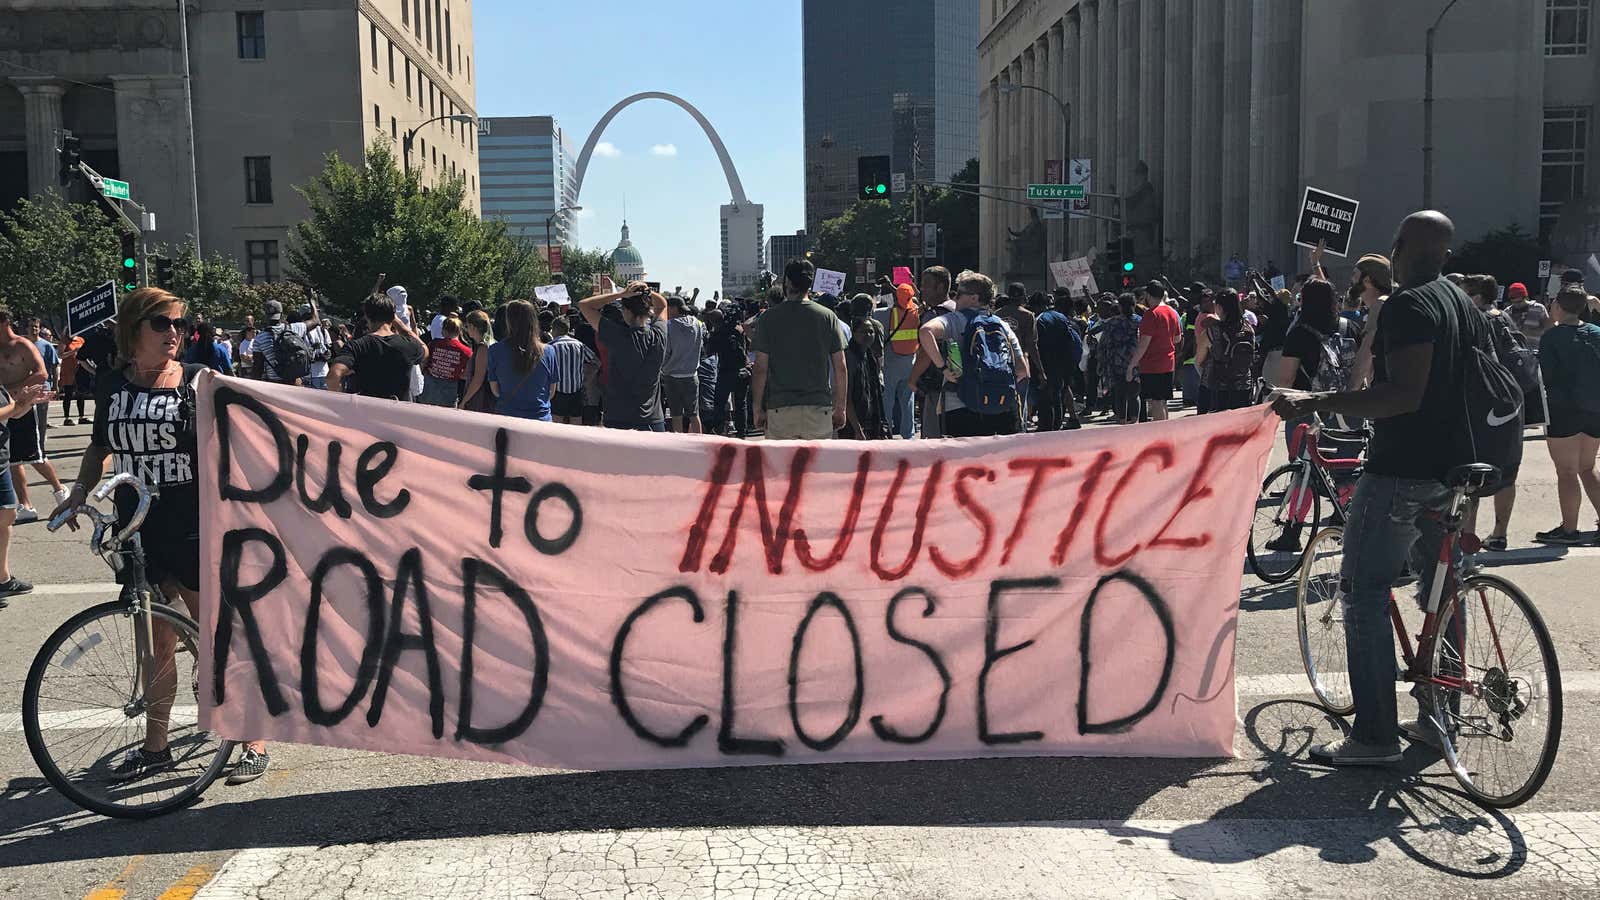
1074 275
555 293
902 275
396 577
91 307
829 282
1326 217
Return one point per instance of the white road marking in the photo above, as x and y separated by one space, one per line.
67 719
110 589
1584 682
1226 857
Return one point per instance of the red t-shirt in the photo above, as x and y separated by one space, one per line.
448 359
1161 324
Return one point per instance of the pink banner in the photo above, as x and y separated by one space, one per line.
396 577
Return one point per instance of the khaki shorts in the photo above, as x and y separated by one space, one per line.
800 423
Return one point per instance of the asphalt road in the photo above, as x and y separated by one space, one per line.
1268 823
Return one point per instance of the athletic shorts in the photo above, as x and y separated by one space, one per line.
1155 386
683 395
1564 423
171 548
567 406
27 437
8 491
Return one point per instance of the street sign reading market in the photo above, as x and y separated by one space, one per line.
116 190
1055 192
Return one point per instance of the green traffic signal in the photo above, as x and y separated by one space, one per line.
1127 266
883 189
129 263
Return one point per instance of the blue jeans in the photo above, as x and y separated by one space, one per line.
898 411
1389 522
316 382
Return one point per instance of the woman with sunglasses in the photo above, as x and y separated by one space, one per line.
145 422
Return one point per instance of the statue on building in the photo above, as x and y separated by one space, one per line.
1141 218
1028 245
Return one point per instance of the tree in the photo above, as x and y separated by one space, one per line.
956 212
871 229
212 287
1509 254
52 251
580 268
378 219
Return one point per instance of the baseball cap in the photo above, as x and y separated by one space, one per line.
1572 276
274 312
1517 289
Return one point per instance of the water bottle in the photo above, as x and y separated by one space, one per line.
952 358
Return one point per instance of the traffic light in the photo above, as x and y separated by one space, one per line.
129 271
872 178
1125 255
163 266
69 158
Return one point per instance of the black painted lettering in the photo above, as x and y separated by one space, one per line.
332 496
472 570
224 401
619 696
992 654
886 732
853 713
497 484
726 741
409 578
375 463
1086 650
236 600
311 700
530 521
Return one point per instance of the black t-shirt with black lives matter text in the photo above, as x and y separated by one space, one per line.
152 434
1422 444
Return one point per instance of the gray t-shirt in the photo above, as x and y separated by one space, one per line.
685 336
633 360
955 329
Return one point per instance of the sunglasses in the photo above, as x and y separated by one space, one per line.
162 323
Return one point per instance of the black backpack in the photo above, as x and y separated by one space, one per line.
292 352
1493 408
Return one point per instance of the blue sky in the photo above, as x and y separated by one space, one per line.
738 61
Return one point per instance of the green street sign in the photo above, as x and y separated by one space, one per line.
1055 192
116 190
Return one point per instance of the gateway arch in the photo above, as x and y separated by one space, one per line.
743 231
735 186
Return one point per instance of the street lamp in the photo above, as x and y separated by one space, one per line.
1427 112
1010 87
551 218
411 135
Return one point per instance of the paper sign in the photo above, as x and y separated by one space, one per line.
1082 172
829 282
91 307
489 588
1278 283
1326 217
554 293
902 275
1074 275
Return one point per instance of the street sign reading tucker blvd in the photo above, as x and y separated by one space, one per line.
90 308
1055 192
116 190
1326 217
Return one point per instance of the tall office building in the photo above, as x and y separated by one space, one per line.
890 77
527 176
276 86
1209 118
783 247
743 234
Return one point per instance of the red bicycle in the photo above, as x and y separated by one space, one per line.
1483 663
1324 465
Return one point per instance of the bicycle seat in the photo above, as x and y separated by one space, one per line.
1473 477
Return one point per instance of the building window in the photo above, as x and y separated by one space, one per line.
405 12
252 28
377 117
1563 161
374 32
416 17
436 157
391 62
1566 27
427 23
469 68
408 78
263 261
420 79
438 31
394 129
449 59
430 99
258 179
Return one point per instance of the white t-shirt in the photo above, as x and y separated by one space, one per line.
436 327
321 347
955 329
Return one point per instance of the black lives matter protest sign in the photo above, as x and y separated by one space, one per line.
1328 218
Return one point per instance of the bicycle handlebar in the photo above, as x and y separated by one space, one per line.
103 520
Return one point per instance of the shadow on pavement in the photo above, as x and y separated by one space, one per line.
1269 596
1521 557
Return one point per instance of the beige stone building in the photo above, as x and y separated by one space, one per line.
1235 106
276 85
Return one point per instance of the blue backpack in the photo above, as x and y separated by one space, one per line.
988 382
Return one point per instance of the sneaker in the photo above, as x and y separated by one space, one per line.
1285 543
67 423
1350 752
1073 425
26 514
140 762
14 586
1495 544
251 765
61 494
1557 535
1419 731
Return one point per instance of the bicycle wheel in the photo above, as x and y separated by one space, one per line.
1501 727
84 707
1319 605
1285 510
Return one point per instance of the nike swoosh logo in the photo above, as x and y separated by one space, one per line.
1496 421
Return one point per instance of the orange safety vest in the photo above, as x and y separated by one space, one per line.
903 340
